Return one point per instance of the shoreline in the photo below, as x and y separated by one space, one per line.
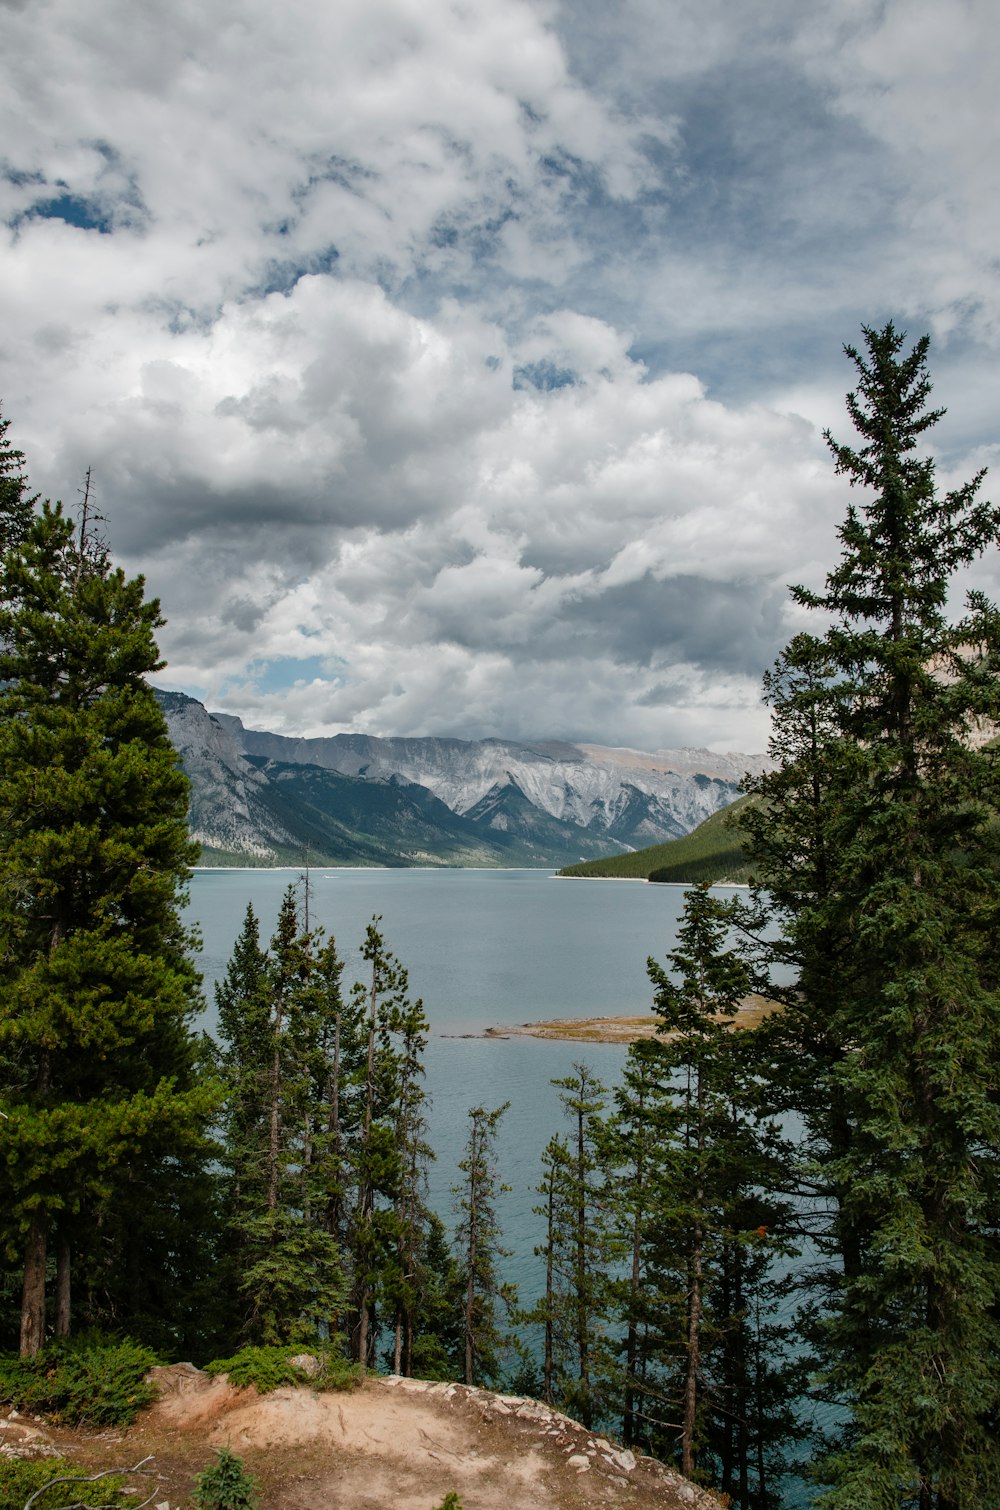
752 1010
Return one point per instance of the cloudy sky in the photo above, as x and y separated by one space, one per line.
460 368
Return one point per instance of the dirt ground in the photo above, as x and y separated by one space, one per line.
392 1444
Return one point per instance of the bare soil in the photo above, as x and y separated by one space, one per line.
392 1444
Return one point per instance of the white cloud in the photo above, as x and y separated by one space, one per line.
478 355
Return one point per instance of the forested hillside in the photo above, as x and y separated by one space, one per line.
711 852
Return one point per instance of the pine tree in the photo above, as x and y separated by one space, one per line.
695 1009
690 1156
383 1004
576 1251
16 506
478 1238
882 856
277 1012
98 1061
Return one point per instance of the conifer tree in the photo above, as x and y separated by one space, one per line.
16 506
275 1012
882 859
572 1309
695 1009
383 1004
96 988
478 1238
690 1157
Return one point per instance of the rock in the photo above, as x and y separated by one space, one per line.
579 1462
623 1459
306 1363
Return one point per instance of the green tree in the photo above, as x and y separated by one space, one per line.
478 1238
882 858
572 1310
696 1009
388 1099
690 1155
16 505
276 1008
99 1074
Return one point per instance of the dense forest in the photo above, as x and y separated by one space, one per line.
804 1212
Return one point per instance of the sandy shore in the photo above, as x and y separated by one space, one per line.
752 1010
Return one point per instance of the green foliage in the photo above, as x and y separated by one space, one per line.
451 1501
269 1368
99 1079
226 1485
16 507
478 1237
21 1478
878 849
85 1379
577 1253
266 1368
710 852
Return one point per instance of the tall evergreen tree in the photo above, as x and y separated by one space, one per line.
16 505
478 1238
276 1011
690 1156
572 1309
98 1060
882 857
388 1098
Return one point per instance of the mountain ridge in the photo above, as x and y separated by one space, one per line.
261 798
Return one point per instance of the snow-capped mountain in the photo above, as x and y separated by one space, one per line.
492 801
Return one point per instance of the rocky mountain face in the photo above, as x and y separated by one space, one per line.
260 798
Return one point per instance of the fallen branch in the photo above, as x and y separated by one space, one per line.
106 1473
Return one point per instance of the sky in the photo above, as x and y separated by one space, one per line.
461 368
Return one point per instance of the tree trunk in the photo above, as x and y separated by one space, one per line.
472 1256
549 1290
582 1309
64 1313
33 1293
693 1355
694 1299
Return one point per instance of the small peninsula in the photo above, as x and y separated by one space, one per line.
752 1011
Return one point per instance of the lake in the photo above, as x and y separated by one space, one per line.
483 948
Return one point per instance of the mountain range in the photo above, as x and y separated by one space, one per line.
353 799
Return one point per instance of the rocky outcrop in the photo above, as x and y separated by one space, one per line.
402 1442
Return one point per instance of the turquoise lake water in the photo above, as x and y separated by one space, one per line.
483 948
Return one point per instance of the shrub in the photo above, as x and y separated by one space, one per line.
226 1485
268 1368
89 1378
20 1479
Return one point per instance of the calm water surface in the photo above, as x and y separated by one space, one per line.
483 948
